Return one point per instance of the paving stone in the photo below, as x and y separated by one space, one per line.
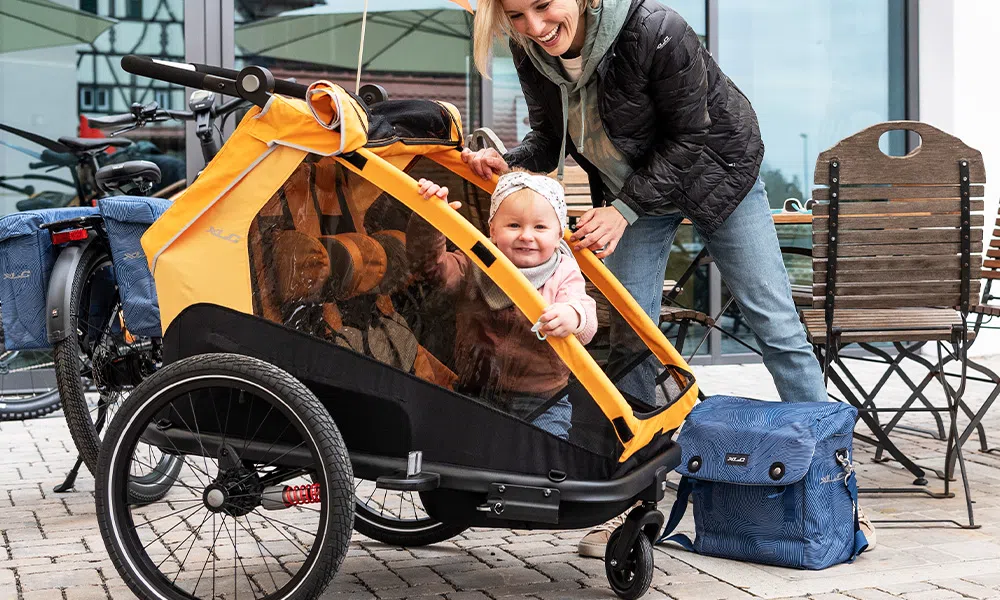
382 579
907 588
870 594
991 580
935 594
495 557
966 588
332 593
417 576
8 584
541 590
560 571
86 592
492 579
35 550
705 591
419 591
59 579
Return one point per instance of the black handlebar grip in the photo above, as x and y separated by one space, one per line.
178 73
281 86
111 121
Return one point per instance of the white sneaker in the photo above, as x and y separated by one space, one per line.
595 543
866 527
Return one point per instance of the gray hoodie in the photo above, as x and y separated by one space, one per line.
581 115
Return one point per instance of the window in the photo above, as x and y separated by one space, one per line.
86 98
103 100
133 9
808 86
162 98
816 72
89 6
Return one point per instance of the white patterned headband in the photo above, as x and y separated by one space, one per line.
548 188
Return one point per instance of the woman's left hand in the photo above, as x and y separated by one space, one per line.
599 229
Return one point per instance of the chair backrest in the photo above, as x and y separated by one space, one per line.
577 186
991 264
892 231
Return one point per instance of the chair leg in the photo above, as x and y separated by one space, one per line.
873 424
954 450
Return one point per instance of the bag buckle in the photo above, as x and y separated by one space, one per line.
843 458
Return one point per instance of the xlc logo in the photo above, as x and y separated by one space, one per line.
232 237
133 255
22 275
837 478
738 460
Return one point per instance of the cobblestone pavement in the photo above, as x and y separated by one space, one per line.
51 547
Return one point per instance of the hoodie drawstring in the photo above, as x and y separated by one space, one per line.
564 96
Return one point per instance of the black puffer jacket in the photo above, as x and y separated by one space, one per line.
691 136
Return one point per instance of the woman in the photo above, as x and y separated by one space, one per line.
626 87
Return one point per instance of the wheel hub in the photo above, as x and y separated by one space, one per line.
235 492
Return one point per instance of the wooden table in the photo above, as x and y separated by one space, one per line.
780 217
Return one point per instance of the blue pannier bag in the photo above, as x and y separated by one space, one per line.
26 259
771 482
126 218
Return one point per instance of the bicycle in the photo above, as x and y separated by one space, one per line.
91 336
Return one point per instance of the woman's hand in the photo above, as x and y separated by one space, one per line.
599 229
429 189
485 162
559 320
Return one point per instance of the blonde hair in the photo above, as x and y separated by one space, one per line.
491 23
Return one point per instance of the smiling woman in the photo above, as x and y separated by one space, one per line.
553 24
628 90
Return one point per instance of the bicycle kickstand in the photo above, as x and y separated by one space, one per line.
70 480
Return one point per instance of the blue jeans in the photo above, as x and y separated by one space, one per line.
557 420
745 248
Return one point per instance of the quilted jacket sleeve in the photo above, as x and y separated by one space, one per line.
539 150
670 57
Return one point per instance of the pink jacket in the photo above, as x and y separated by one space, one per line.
496 348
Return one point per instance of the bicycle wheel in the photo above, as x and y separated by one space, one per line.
397 518
27 384
104 354
262 507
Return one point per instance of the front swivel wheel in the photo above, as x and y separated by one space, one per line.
632 577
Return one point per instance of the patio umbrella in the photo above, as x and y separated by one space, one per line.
331 34
28 24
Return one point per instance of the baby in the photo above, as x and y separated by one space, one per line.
498 357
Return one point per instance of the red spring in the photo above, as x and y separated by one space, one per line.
293 495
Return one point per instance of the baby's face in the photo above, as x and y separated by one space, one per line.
526 229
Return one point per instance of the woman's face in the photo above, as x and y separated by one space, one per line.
554 25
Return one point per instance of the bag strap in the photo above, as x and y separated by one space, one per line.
851 483
676 514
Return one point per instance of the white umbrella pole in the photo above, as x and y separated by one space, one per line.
361 49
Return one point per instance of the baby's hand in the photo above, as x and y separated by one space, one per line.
428 189
560 319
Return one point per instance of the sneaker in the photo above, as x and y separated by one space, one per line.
865 526
594 544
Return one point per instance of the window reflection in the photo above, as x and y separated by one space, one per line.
810 89
413 48
50 86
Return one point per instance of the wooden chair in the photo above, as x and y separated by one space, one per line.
896 259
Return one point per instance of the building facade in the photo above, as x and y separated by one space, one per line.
815 72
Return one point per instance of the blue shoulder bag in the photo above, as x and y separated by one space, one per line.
771 482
